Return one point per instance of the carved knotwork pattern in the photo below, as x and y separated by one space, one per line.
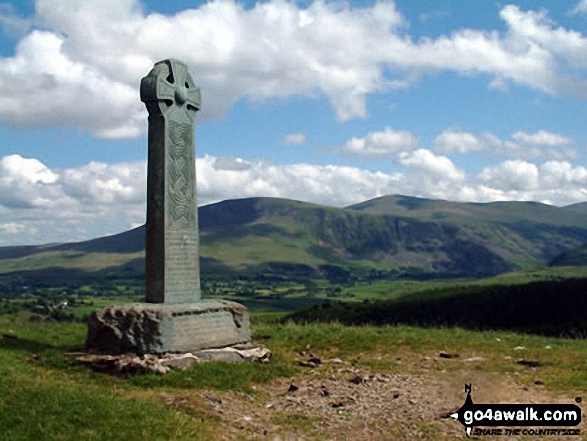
180 176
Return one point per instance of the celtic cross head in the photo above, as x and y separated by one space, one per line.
170 90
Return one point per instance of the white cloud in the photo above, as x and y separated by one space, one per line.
514 175
581 7
294 139
522 145
11 22
43 205
542 137
326 184
452 140
83 68
381 143
25 182
432 176
12 228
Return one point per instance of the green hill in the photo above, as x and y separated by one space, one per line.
396 234
574 257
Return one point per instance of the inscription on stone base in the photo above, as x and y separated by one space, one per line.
146 328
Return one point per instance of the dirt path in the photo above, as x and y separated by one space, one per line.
336 400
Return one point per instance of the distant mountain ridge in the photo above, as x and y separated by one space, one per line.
401 234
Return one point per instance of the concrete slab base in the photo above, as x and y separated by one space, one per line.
156 328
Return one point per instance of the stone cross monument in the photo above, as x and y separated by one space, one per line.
172 262
174 318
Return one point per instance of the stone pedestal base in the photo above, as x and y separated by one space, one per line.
156 328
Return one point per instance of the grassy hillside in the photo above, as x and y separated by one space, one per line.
396 234
576 257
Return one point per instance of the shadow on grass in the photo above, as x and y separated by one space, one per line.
25 345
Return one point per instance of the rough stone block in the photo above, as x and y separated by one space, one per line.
151 328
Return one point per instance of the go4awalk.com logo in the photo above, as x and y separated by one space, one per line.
477 416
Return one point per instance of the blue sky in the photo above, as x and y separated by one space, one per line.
325 102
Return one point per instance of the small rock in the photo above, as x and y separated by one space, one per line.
547 347
337 404
539 383
530 363
336 361
395 394
519 348
356 380
312 362
468 360
292 388
447 355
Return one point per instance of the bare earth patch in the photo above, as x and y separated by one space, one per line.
336 400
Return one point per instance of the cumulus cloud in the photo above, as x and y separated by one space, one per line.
82 65
542 137
294 139
11 22
452 140
432 176
581 7
512 175
522 145
12 228
381 143
45 205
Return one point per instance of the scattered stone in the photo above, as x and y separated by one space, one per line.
312 362
395 394
292 388
530 363
357 380
539 383
520 348
336 361
472 359
126 364
448 355
547 347
337 404
182 361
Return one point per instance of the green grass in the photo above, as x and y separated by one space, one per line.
45 394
